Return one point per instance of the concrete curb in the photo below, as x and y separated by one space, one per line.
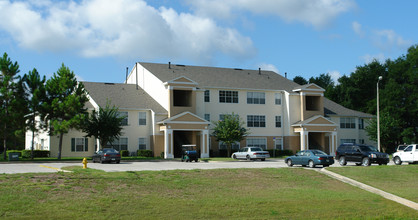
371 189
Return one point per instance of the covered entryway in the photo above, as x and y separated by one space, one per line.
185 129
317 132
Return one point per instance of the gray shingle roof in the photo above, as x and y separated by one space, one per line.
124 96
214 77
331 108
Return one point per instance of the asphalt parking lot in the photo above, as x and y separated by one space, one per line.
25 167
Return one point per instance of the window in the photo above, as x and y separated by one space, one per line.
124 122
207 117
142 143
348 141
234 146
361 141
347 123
222 116
278 98
119 144
256 98
360 123
257 142
207 96
142 118
79 144
228 96
256 121
278 143
278 121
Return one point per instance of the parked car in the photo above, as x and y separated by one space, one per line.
360 154
106 155
409 154
401 147
310 158
251 153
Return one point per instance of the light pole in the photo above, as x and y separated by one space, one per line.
378 119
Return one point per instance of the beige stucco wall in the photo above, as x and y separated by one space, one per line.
66 145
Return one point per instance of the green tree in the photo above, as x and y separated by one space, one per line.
64 109
300 80
8 88
35 97
104 125
389 131
230 130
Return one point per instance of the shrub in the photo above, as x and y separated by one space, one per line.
145 153
124 153
280 153
36 153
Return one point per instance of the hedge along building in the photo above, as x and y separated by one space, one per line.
169 105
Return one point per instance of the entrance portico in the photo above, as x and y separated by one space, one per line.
315 132
184 129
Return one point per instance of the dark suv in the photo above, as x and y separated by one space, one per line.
360 154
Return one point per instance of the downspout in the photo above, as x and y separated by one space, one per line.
282 120
136 71
126 76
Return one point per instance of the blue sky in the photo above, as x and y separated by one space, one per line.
98 39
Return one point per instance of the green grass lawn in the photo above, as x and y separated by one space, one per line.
287 193
399 180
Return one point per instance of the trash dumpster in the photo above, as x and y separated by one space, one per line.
14 156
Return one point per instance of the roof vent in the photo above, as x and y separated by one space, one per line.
169 65
237 69
259 71
180 65
109 84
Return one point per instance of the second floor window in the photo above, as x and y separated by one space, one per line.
257 121
360 123
207 117
278 121
256 98
125 119
228 96
207 96
347 123
142 118
277 98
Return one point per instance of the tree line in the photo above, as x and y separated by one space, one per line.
32 103
398 94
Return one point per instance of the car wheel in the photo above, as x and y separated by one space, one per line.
118 161
311 164
248 157
263 159
342 161
289 163
326 165
92 160
397 161
365 162
234 156
197 160
358 164
101 161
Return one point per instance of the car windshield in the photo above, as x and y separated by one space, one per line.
401 147
367 148
109 151
256 149
318 152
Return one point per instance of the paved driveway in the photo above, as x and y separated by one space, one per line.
10 168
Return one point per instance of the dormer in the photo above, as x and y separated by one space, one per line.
311 100
182 95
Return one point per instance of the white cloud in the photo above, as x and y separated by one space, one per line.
368 58
388 40
335 75
123 28
318 13
271 67
357 28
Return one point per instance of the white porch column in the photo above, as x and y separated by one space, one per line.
303 140
333 142
168 144
204 144
97 144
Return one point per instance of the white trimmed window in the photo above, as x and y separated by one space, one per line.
142 118
347 123
207 117
234 146
256 98
119 144
348 141
207 96
124 122
278 121
278 143
142 143
360 123
228 96
79 144
278 98
256 121
257 142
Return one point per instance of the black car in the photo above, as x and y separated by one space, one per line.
106 155
360 154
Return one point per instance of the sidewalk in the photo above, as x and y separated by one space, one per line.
371 189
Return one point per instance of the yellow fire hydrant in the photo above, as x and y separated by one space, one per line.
84 163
